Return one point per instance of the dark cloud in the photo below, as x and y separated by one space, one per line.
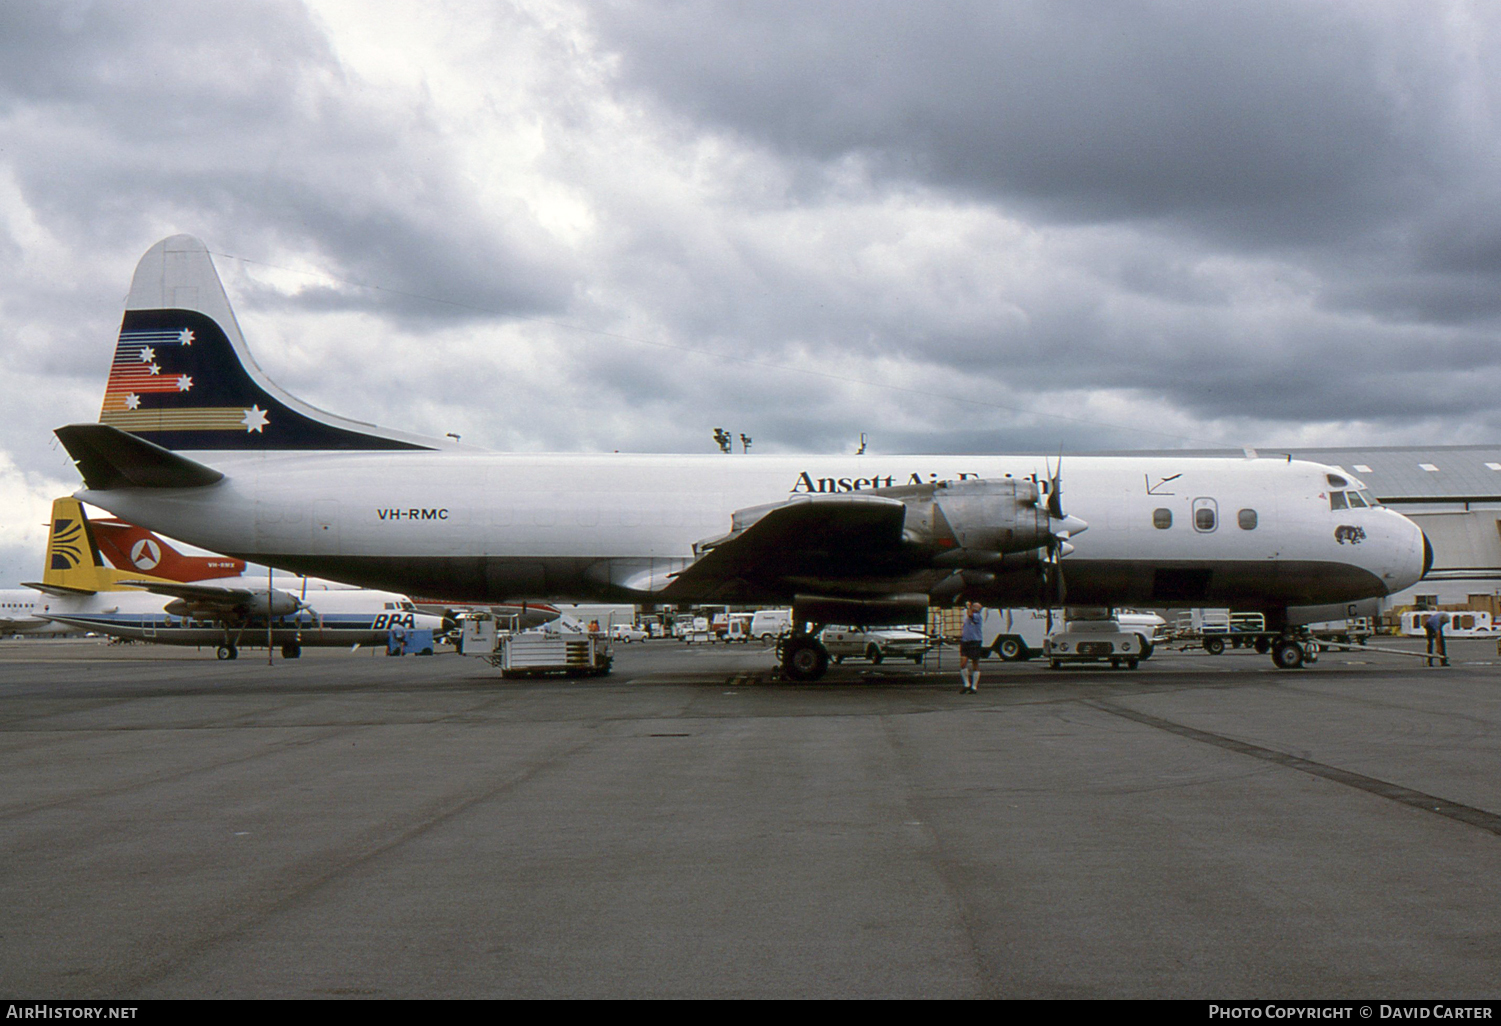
1276 118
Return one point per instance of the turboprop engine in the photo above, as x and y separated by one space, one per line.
278 602
976 523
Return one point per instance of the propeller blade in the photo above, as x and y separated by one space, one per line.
1055 491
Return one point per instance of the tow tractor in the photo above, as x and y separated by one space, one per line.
1093 636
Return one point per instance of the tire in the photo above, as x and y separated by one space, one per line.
805 659
875 655
1132 664
1288 655
1214 646
1146 647
1009 649
1263 644
227 652
291 651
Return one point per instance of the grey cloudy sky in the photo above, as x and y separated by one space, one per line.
953 226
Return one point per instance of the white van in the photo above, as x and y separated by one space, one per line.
770 624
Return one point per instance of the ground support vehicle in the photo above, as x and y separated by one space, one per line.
1013 634
769 624
562 648
538 654
404 641
1094 641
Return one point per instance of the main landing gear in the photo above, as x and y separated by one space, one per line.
803 657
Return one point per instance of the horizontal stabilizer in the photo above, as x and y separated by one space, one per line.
110 458
60 590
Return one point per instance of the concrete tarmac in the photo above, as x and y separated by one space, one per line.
347 825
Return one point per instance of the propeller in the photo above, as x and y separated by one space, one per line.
1061 527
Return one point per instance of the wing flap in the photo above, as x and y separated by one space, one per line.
787 538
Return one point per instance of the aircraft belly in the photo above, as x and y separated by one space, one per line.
1249 584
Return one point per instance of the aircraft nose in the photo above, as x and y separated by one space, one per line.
1413 562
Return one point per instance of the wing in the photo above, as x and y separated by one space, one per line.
808 536
202 595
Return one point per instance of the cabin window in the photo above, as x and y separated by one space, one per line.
1247 519
1337 500
1162 518
1206 515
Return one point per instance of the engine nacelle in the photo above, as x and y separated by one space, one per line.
978 516
278 602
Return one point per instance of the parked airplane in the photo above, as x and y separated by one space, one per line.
861 539
78 592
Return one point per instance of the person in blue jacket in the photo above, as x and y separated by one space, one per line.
971 648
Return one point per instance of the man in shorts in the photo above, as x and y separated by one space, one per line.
971 648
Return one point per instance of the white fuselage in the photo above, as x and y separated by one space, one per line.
487 526
334 617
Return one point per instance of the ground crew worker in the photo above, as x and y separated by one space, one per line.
1433 627
971 648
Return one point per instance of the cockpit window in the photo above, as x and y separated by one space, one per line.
1370 500
1355 499
1337 499
1335 481
409 607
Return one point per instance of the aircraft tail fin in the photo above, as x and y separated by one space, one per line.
183 378
73 560
135 549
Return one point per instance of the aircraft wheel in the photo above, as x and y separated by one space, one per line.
874 654
1009 649
1288 655
291 651
227 652
805 659
1214 646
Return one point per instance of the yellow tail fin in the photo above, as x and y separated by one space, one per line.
72 557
